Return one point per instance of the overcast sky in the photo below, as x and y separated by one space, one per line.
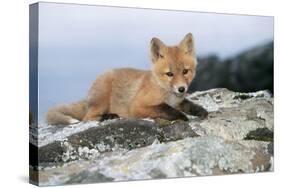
78 42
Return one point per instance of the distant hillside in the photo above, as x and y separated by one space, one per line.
249 71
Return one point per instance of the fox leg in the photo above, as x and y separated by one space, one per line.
95 112
163 111
193 109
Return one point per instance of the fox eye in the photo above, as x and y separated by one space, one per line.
170 74
185 71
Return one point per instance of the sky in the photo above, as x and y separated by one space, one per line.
79 42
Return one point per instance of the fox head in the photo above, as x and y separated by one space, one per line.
174 67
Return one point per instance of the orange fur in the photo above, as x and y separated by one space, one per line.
133 93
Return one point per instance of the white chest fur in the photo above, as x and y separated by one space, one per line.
173 100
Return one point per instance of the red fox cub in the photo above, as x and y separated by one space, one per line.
133 93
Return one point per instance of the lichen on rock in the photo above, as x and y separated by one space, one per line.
236 137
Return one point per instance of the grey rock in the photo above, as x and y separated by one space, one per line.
236 137
232 117
202 156
119 134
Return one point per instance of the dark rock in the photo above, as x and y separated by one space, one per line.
242 96
122 134
50 153
175 131
261 134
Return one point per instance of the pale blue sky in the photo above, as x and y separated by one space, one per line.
78 42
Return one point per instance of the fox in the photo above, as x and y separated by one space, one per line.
133 93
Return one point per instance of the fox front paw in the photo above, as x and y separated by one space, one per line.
201 112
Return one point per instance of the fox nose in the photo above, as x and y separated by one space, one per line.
181 89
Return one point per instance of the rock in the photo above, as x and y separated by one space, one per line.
202 156
233 116
263 134
114 134
236 137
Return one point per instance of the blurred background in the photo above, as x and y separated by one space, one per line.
248 71
79 42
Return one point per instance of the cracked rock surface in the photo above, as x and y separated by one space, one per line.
236 137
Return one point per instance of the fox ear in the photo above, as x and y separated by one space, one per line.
157 48
187 44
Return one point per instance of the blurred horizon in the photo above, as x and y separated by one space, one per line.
78 42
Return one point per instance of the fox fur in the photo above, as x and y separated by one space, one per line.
133 93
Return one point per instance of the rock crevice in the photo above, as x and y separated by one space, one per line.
236 137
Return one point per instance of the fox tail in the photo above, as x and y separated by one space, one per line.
67 114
